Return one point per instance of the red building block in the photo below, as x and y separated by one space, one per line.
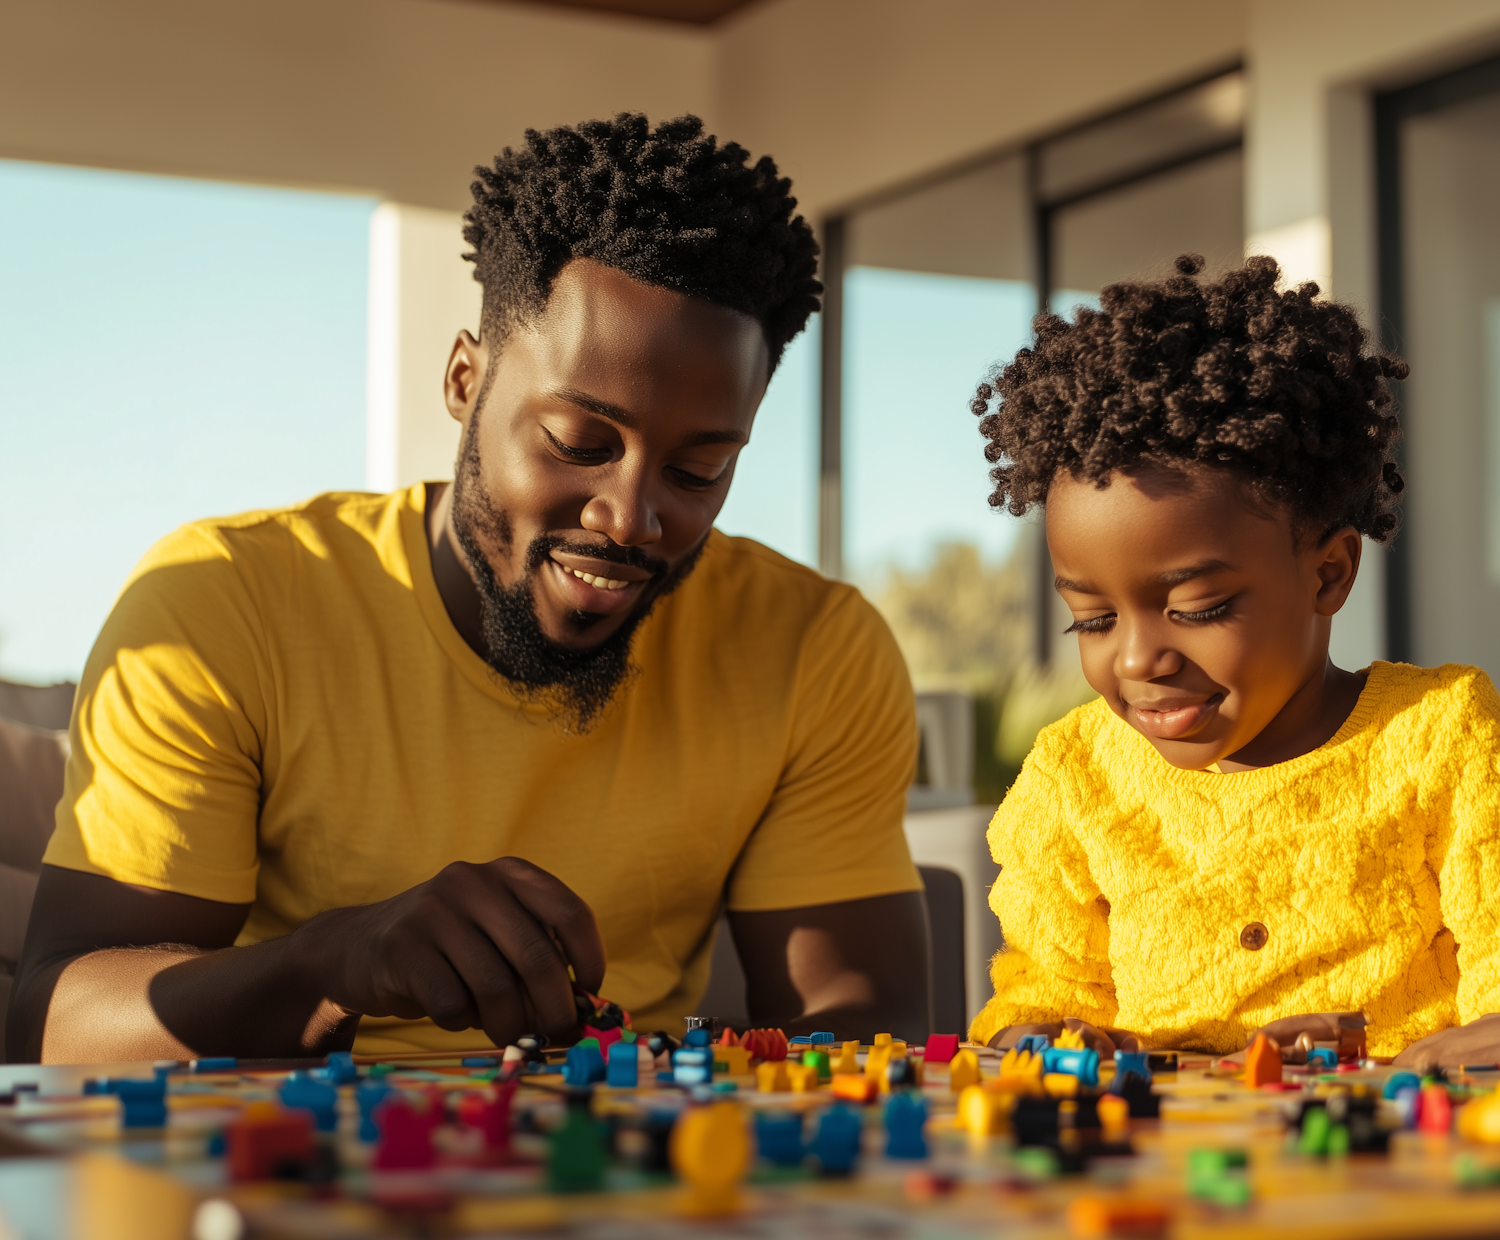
266 1141
405 1136
941 1047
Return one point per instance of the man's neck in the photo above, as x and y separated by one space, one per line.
450 570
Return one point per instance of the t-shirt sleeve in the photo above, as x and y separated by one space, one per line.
1053 918
163 782
1469 877
833 830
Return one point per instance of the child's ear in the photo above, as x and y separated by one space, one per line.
1337 561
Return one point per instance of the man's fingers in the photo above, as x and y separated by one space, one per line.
444 998
553 903
528 950
499 997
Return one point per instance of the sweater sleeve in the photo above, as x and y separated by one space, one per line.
1054 962
1469 876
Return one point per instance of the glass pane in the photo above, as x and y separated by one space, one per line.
1180 125
774 495
1451 241
169 349
1138 230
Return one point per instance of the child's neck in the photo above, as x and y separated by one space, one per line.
1311 718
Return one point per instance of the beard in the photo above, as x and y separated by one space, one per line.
574 685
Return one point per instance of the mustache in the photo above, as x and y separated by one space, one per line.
544 545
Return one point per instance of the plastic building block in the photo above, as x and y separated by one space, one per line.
822 1039
982 1112
576 1157
771 1077
1070 1040
225 1063
698 1037
903 1073
1479 1121
1434 1109
836 1146
941 1047
1060 1084
371 1093
1021 1071
304 1091
268 1142
769 1044
584 1064
778 1138
963 1071
1117 1216
1072 1061
1034 1043
143 1104
802 1077
881 1039
1127 1062
405 1141
859 1089
1399 1081
693 1065
623 1069
728 1038
1316 1128
1114 1118
1324 1057
1351 1047
905 1114
1262 1062
847 1061
877 1060
736 1060
604 1037
818 1060
341 1069
489 1111
710 1152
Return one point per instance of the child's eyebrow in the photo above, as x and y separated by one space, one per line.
1176 576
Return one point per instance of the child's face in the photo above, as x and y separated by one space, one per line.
1198 616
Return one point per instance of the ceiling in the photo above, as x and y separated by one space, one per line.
697 12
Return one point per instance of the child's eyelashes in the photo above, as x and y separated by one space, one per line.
1103 624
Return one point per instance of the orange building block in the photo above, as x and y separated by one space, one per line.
1263 1062
851 1088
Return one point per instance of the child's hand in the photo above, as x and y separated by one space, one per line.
1105 1041
1476 1043
1318 1026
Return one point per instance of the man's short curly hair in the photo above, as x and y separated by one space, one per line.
1273 386
667 206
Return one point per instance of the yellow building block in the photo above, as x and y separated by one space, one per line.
963 1071
771 1077
1060 1085
710 1150
878 1059
983 1112
847 1063
881 1039
736 1059
1070 1040
803 1078
1480 1120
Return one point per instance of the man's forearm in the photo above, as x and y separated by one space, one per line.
173 1003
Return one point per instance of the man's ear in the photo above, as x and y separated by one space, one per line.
1337 563
464 377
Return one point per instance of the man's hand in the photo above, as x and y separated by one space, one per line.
1105 1041
1476 1044
475 947
1318 1026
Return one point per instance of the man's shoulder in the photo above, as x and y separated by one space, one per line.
313 521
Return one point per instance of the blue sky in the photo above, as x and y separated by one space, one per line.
169 349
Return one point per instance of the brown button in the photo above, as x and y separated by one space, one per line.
1254 936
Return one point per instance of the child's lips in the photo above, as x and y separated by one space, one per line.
1171 721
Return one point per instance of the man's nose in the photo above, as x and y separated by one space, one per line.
624 510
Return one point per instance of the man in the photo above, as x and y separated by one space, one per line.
414 766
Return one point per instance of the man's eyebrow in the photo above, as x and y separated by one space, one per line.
614 413
1174 577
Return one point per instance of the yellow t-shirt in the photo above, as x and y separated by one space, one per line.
1373 863
279 710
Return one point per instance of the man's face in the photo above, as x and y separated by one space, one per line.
599 444
1198 616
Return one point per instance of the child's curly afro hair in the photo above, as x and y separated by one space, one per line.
1276 387
669 206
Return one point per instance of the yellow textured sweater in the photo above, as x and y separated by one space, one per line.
1373 864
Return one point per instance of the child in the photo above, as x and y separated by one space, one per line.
1238 834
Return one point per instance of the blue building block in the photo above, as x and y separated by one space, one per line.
778 1136
143 1104
1084 1064
585 1065
1033 1043
224 1063
692 1065
1324 1057
836 1146
371 1093
303 1091
623 1067
478 1061
1398 1082
821 1039
341 1069
217 1144
801 1041
1138 1062
697 1038
905 1114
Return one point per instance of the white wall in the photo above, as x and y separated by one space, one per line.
1310 185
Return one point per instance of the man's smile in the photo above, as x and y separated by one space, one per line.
594 585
